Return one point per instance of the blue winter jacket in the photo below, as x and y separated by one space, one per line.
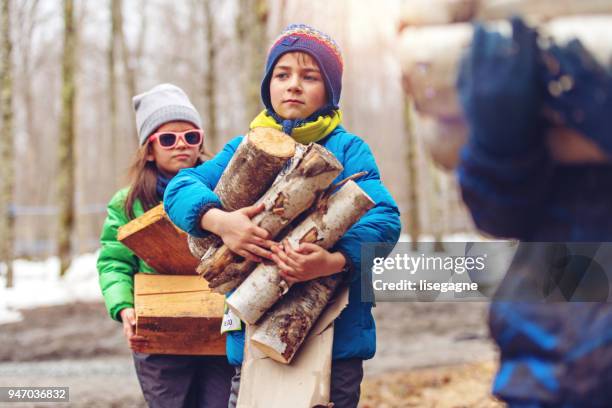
190 193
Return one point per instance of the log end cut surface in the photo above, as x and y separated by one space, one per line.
273 142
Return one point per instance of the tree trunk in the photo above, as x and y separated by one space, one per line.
129 68
293 192
324 226
211 76
251 26
112 89
7 195
414 221
251 171
66 141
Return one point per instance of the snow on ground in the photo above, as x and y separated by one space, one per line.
38 284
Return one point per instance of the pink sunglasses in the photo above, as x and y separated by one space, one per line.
168 140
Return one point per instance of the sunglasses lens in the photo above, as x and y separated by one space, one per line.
193 138
167 139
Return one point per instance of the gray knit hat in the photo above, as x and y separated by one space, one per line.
162 104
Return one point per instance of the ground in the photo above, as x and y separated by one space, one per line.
429 355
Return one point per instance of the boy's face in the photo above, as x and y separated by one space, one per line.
297 88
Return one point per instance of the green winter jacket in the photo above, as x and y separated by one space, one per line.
116 263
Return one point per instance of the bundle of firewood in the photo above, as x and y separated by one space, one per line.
434 36
294 183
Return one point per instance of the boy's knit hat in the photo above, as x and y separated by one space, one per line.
162 104
303 38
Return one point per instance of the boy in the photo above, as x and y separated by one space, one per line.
301 92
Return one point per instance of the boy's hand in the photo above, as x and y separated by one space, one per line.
307 262
128 317
239 233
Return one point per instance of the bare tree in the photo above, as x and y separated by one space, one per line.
66 160
414 223
211 76
112 85
131 60
7 158
251 27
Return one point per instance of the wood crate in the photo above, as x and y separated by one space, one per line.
178 315
157 241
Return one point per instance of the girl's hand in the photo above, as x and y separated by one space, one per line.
239 233
307 262
128 317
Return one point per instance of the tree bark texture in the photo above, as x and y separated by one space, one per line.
293 192
66 176
112 88
325 225
211 75
7 138
251 171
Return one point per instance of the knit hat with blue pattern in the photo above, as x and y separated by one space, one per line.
302 38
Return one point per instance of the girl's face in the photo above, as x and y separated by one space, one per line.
181 156
297 88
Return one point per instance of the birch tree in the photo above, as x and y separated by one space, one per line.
7 158
66 159
251 26
211 76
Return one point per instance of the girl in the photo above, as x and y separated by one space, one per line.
301 92
171 139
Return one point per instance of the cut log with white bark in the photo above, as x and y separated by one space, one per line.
433 12
442 139
285 327
541 9
430 59
295 190
324 226
256 163
439 12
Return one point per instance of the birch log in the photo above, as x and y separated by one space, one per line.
288 322
293 192
254 166
285 327
430 59
438 12
324 226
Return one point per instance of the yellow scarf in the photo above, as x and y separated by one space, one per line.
309 132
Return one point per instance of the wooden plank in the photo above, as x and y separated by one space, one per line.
178 315
157 241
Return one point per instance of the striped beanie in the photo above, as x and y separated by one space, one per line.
303 38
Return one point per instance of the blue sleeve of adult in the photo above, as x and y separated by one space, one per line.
190 193
379 224
505 195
